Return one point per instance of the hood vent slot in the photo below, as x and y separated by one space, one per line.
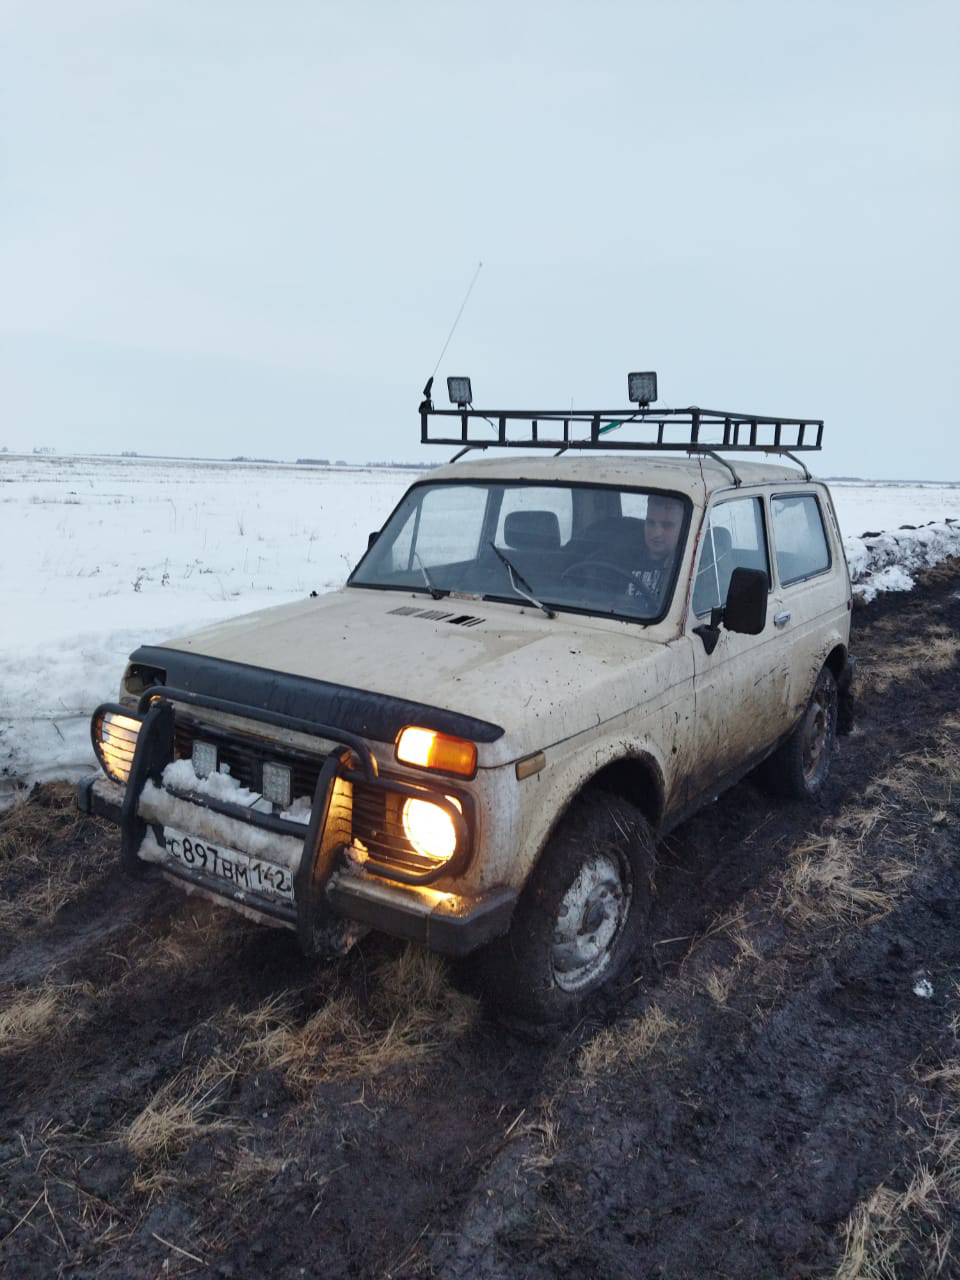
438 615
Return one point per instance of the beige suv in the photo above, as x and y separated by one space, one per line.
541 665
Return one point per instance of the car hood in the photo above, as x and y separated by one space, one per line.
541 679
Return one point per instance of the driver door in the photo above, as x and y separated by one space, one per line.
741 689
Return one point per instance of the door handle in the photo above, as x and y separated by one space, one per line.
781 619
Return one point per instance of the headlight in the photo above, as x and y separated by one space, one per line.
430 829
115 740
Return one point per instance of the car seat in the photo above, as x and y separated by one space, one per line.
532 530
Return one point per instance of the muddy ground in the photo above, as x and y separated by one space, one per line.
775 1094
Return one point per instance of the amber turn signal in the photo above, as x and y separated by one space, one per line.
432 750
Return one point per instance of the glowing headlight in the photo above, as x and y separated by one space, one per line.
115 741
430 829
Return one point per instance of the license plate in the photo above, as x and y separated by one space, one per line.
229 865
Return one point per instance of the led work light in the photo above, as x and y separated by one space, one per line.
204 758
458 389
641 388
277 784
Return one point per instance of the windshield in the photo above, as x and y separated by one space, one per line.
588 548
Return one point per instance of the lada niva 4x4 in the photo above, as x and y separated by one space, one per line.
540 666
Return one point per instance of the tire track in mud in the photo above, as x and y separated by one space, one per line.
741 1137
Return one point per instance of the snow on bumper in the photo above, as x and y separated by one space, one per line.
229 867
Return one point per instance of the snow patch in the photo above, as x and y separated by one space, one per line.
181 776
887 561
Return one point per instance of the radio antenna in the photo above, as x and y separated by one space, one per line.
466 299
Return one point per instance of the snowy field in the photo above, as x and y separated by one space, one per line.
103 554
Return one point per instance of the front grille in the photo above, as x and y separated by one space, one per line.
245 760
368 815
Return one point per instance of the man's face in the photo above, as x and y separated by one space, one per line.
661 530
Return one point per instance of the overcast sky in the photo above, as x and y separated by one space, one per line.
228 227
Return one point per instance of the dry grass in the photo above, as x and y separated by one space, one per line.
42 884
31 1014
888 1228
187 937
625 1044
413 1012
745 948
180 1111
50 813
249 1170
929 776
540 1140
41 901
718 984
826 882
891 1233
938 650
955 1020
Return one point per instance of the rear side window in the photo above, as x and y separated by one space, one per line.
733 538
799 537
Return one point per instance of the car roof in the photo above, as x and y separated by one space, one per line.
697 477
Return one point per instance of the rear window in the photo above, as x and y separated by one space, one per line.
799 537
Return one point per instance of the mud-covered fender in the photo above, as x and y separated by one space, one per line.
542 800
832 653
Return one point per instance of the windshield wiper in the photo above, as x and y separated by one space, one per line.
431 585
518 582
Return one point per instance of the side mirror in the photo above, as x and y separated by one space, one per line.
372 537
744 612
746 607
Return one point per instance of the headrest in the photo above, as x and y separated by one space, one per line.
616 531
532 530
721 540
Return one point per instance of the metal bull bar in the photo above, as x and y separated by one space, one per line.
322 841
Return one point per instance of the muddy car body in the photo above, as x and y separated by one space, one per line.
477 741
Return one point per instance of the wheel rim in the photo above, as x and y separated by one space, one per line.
590 919
817 733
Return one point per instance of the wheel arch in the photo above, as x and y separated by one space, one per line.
836 660
634 776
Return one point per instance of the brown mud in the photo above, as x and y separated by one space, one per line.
773 1092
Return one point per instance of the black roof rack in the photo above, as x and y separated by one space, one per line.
693 429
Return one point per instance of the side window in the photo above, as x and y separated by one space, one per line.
799 537
733 538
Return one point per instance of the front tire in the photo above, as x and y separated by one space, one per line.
580 918
799 767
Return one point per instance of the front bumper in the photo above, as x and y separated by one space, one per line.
329 889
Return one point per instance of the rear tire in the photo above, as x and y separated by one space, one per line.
580 918
799 767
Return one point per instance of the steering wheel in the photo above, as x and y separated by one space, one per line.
614 576
602 572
